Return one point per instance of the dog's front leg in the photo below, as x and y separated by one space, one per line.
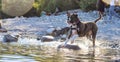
68 37
72 39
66 41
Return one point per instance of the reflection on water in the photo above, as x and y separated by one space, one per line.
15 58
64 55
104 55
46 53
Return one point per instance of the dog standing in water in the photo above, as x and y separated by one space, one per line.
80 29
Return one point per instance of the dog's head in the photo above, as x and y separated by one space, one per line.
72 18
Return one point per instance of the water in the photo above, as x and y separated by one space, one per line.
15 58
31 50
64 56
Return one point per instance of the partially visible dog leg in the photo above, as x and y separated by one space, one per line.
66 41
93 37
89 35
72 38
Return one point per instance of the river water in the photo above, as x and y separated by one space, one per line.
15 58
31 50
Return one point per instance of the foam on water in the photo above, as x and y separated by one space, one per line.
83 43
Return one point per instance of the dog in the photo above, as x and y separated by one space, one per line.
88 29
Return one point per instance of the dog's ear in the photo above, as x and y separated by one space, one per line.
76 15
68 14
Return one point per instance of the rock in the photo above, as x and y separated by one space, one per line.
68 46
62 31
16 7
0 25
3 30
43 13
9 38
46 38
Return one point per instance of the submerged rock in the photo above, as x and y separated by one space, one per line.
68 46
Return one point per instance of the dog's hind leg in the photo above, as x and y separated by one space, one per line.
94 37
89 37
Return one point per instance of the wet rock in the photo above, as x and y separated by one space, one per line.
0 25
60 32
43 13
68 46
9 38
46 38
114 45
19 30
3 30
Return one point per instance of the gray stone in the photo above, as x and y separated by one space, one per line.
46 38
3 30
9 38
68 46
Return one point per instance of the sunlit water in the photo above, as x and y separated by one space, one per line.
15 58
32 50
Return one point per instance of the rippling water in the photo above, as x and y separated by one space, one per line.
15 58
36 51
64 56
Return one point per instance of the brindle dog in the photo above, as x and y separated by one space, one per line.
88 29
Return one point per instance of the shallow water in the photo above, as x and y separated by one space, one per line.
15 58
108 55
31 50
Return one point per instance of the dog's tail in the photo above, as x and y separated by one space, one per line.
100 16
